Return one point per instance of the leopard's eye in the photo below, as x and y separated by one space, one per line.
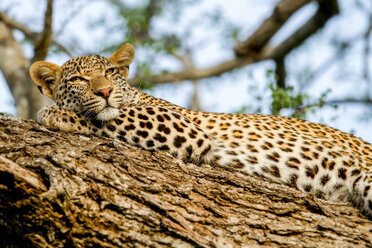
110 71
76 79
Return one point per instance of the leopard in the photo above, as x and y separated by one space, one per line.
92 97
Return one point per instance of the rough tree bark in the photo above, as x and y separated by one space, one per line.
67 190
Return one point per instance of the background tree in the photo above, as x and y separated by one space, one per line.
170 42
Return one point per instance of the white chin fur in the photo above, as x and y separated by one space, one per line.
107 114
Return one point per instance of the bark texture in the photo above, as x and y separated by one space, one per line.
67 190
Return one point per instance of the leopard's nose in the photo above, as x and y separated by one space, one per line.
105 93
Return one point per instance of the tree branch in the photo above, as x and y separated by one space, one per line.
283 10
348 101
303 109
13 24
44 39
196 74
280 72
325 11
31 35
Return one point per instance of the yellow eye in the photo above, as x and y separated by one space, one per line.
76 79
109 71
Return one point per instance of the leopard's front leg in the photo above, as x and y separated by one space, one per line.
151 128
56 118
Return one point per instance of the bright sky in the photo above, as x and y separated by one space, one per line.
228 92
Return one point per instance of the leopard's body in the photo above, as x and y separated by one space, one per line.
93 97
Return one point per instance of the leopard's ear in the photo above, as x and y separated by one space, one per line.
44 75
123 58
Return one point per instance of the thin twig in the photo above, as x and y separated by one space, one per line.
304 108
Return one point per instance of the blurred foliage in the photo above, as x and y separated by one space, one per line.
283 97
289 101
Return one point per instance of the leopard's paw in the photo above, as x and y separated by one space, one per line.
45 116
55 118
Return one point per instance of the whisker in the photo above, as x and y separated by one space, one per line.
88 113
90 103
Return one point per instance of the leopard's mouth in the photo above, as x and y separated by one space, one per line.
107 113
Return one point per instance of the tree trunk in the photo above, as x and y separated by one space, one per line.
13 66
68 190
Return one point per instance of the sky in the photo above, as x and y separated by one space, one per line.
229 92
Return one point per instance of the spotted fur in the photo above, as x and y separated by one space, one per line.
93 97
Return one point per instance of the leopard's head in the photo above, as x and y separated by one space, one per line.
94 86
